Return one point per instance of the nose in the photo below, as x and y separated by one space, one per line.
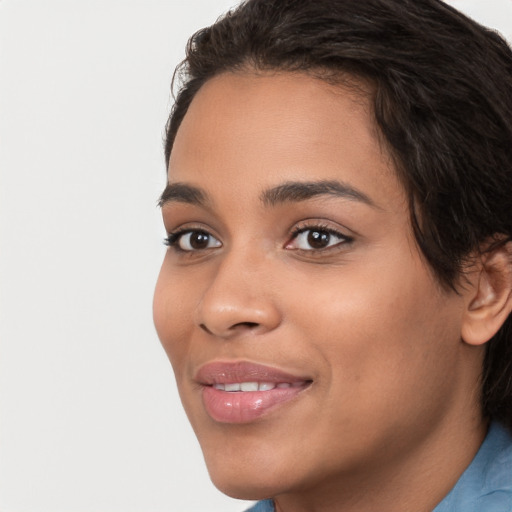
239 299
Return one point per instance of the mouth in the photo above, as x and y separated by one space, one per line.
249 387
243 392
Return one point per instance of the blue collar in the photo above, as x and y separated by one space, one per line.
486 485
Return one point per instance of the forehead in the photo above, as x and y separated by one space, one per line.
253 131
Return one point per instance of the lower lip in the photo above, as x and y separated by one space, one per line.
245 407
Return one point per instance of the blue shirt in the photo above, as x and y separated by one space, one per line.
485 486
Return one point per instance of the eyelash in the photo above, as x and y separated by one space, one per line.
320 228
173 239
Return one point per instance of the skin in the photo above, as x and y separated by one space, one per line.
392 417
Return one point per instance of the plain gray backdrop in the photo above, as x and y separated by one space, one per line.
90 420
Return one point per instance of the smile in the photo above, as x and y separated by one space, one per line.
257 386
243 392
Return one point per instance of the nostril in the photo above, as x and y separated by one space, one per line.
249 325
202 326
231 329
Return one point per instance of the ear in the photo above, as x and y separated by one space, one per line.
489 298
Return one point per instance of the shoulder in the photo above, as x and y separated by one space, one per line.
486 485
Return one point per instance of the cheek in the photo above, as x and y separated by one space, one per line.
386 331
172 316
387 350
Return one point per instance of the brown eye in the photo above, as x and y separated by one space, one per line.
193 240
199 240
316 239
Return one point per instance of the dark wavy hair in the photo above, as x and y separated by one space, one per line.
442 101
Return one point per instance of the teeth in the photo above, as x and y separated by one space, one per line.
253 386
249 386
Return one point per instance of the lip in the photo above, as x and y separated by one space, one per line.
246 406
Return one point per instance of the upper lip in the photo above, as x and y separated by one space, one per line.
226 372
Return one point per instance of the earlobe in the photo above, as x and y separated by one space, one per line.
489 296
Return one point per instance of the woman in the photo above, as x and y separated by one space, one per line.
335 299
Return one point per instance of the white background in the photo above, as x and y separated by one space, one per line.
89 417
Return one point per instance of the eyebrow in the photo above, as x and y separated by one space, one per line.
296 191
182 193
290 191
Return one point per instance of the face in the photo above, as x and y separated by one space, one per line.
308 337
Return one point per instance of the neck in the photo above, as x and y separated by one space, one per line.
416 479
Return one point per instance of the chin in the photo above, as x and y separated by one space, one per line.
249 476
247 492
245 487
